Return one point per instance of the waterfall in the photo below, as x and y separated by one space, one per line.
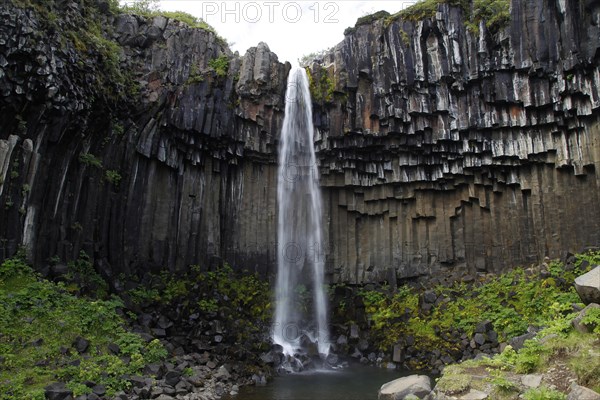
299 237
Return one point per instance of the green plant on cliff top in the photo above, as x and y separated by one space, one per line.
495 13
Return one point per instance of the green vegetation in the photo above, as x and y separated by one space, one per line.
592 319
83 278
495 13
512 302
220 65
195 75
242 300
543 393
113 176
39 324
90 160
557 341
367 19
321 85
150 8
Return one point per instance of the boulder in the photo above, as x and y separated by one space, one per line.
474 394
582 393
58 391
588 286
398 389
531 380
581 327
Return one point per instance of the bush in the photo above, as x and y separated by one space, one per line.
220 65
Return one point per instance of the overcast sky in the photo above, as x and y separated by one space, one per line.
290 28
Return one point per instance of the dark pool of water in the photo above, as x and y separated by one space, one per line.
353 383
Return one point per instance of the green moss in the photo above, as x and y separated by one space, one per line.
321 85
453 383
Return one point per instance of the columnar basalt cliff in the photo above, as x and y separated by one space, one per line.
438 147
462 149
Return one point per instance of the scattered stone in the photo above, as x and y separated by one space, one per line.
483 327
532 380
81 345
114 348
58 391
418 385
518 341
479 338
222 374
99 390
588 286
172 377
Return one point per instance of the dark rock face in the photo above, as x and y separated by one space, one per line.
194 153
441 149
447 148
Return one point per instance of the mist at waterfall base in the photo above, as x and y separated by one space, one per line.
302 333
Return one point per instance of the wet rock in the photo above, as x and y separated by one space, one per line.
418 385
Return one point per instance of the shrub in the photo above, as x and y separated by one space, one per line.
220 65
90 160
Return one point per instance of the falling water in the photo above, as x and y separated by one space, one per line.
300 258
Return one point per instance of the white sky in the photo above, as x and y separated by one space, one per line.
291 28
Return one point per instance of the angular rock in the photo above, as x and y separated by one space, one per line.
58 391
474 394
532 380
483 327
581 327
172 377
81 345
577 392
588 286
418 385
